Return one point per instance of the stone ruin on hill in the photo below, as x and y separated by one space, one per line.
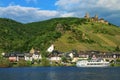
95 19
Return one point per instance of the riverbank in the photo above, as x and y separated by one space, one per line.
29 64
44 62
114 65
48 65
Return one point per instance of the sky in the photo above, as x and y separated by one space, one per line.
26 11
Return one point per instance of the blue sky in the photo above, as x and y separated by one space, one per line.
26 11
42 4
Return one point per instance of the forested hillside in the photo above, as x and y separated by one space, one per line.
65 33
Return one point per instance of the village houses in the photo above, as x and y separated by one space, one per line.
57 56
17 56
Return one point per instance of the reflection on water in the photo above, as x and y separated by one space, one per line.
59 73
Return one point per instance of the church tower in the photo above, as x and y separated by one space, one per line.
87 16
32 51
96 17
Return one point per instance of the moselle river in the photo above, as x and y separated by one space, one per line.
60 73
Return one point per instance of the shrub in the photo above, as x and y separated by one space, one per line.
112 64
118 60
5 62
45 62
23 63
117 48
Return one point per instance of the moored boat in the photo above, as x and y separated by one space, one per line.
92 63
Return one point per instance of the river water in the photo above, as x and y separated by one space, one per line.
60 73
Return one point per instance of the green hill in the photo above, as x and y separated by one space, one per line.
12 35
65 33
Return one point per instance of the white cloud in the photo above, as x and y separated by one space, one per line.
108 9
30 14
67 15
109 4
66 5
26 14
65 2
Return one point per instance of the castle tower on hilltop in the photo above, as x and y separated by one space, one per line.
87 16
95 19
96 16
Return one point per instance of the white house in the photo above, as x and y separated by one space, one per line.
3 54
28 57
36 56
50 49
56 59
75 59
71 55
